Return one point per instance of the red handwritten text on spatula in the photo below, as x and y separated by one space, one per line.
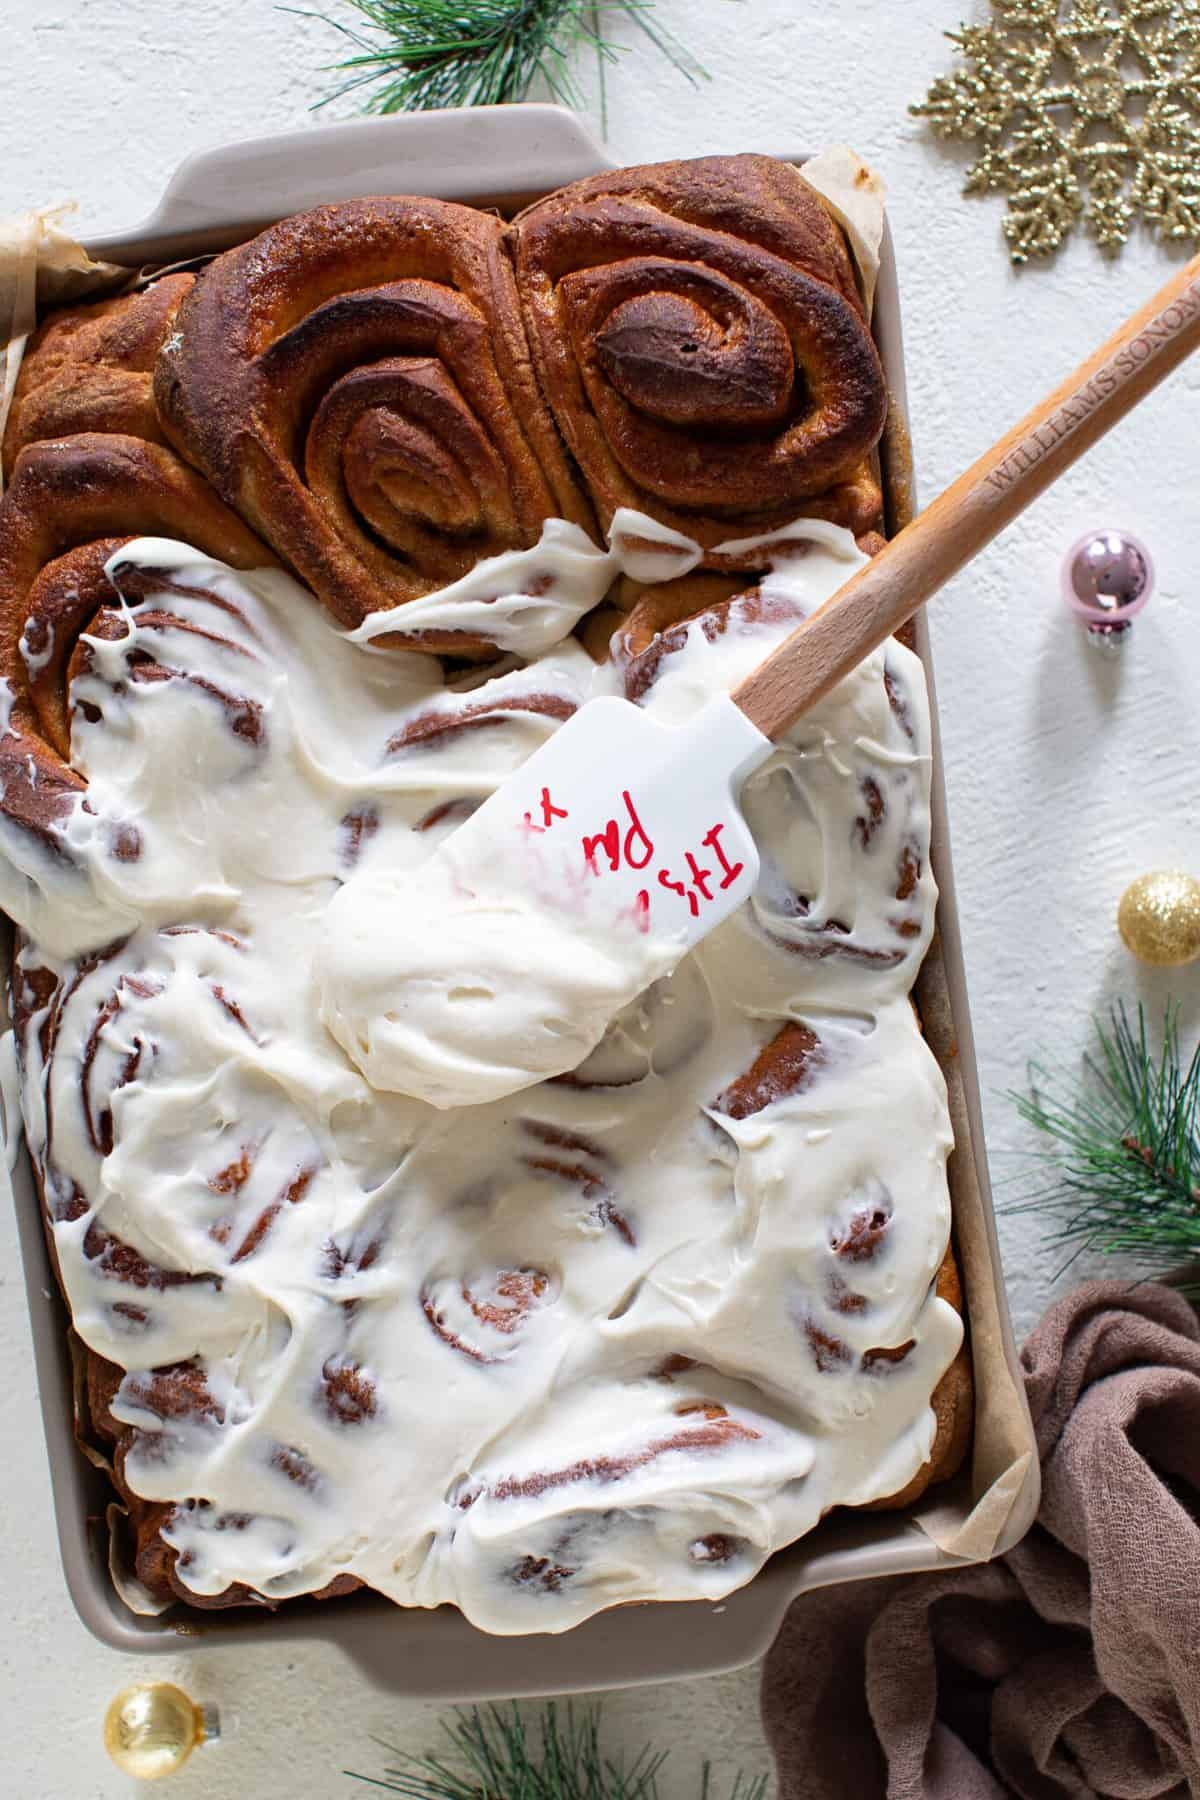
634 847
624 842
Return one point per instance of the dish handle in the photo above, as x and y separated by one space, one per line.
473 153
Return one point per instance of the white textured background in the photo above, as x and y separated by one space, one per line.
1067 774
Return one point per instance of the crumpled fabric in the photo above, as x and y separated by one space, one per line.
1071 1667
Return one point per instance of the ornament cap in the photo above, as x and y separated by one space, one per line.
1108 639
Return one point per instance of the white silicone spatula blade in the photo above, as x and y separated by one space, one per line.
619 818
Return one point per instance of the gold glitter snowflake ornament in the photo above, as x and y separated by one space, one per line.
1083 110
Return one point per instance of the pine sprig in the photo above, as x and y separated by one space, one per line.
432 53
493 1758
1123 1157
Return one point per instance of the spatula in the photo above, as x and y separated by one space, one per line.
635 830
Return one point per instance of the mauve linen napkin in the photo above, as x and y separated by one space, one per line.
1072 1666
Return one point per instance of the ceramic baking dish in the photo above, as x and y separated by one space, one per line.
505 157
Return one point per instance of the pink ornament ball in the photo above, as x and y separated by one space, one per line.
1107 578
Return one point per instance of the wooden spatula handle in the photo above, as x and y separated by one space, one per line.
974 508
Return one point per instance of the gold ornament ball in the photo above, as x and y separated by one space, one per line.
1159 917
150 1730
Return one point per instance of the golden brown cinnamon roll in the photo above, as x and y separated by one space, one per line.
356 382
90 368
700 340
71 504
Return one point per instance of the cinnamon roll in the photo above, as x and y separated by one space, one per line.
72 503
356 381
91 368
702 345
791 1064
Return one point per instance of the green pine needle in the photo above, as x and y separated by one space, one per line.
494 1759
1123 1157
431 53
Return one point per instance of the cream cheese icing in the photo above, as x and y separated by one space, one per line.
526 601
459 988
615 1338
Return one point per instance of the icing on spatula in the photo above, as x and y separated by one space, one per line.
620 843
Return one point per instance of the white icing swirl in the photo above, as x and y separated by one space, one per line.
526 601
615 1339
461 994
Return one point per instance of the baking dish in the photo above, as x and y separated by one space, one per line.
506 157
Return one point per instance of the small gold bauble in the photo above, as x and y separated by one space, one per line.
150 1730
1159 917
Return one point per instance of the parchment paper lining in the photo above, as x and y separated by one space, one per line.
41 266
857 197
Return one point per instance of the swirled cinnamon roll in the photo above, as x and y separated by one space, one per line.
71 505
791 1064
91 368
701 342
356 381
149 1072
